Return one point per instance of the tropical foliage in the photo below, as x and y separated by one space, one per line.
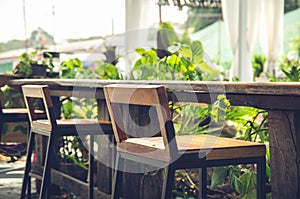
183 60
290 62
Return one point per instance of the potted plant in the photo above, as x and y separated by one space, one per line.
32 65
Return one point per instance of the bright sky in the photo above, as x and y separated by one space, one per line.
71 18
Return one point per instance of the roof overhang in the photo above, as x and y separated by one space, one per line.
191 3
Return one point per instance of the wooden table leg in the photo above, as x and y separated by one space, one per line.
284 129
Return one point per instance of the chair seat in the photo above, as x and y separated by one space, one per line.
80 126
216 148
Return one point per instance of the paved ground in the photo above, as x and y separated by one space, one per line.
11 181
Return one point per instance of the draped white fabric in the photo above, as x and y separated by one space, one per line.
137 19
252 29
230 11
236 30
271 39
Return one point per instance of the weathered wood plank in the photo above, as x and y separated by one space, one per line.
284 145
266 88
266 102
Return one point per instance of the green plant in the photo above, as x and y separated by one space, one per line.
184 63
178 59
26 60
23 66
258 62
49 62
250 124
70 68
200 119
72 151
290 62
241 179
106 71
73 68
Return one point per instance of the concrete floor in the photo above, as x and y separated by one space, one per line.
11 181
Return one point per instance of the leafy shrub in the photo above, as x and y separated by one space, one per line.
174 59
258 62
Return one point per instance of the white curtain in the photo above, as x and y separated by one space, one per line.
137 22
271 39
242 36
230 11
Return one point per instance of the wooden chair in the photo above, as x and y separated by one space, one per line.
54 128
169 151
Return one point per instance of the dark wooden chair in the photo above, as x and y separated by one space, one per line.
169 151
53 129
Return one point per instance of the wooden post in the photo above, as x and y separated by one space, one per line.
285 153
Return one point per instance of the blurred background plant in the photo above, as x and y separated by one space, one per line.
290 62
258 62
175 59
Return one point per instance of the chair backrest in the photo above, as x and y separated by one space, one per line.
41 92
154 96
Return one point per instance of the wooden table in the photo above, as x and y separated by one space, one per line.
281 100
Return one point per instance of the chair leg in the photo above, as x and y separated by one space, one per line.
203 182
29 177
1 127
26 176
91 168
47 167
261 179
168 183
117 179
29 188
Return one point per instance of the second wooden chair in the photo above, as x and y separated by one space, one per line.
169 151
53 129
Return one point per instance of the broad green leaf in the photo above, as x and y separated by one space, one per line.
144 60
186 52
250 195
219 176
236 183
191 68
197 50
140 51
206 68
234 174
152 56
173 60
248 180
185 39
167 35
